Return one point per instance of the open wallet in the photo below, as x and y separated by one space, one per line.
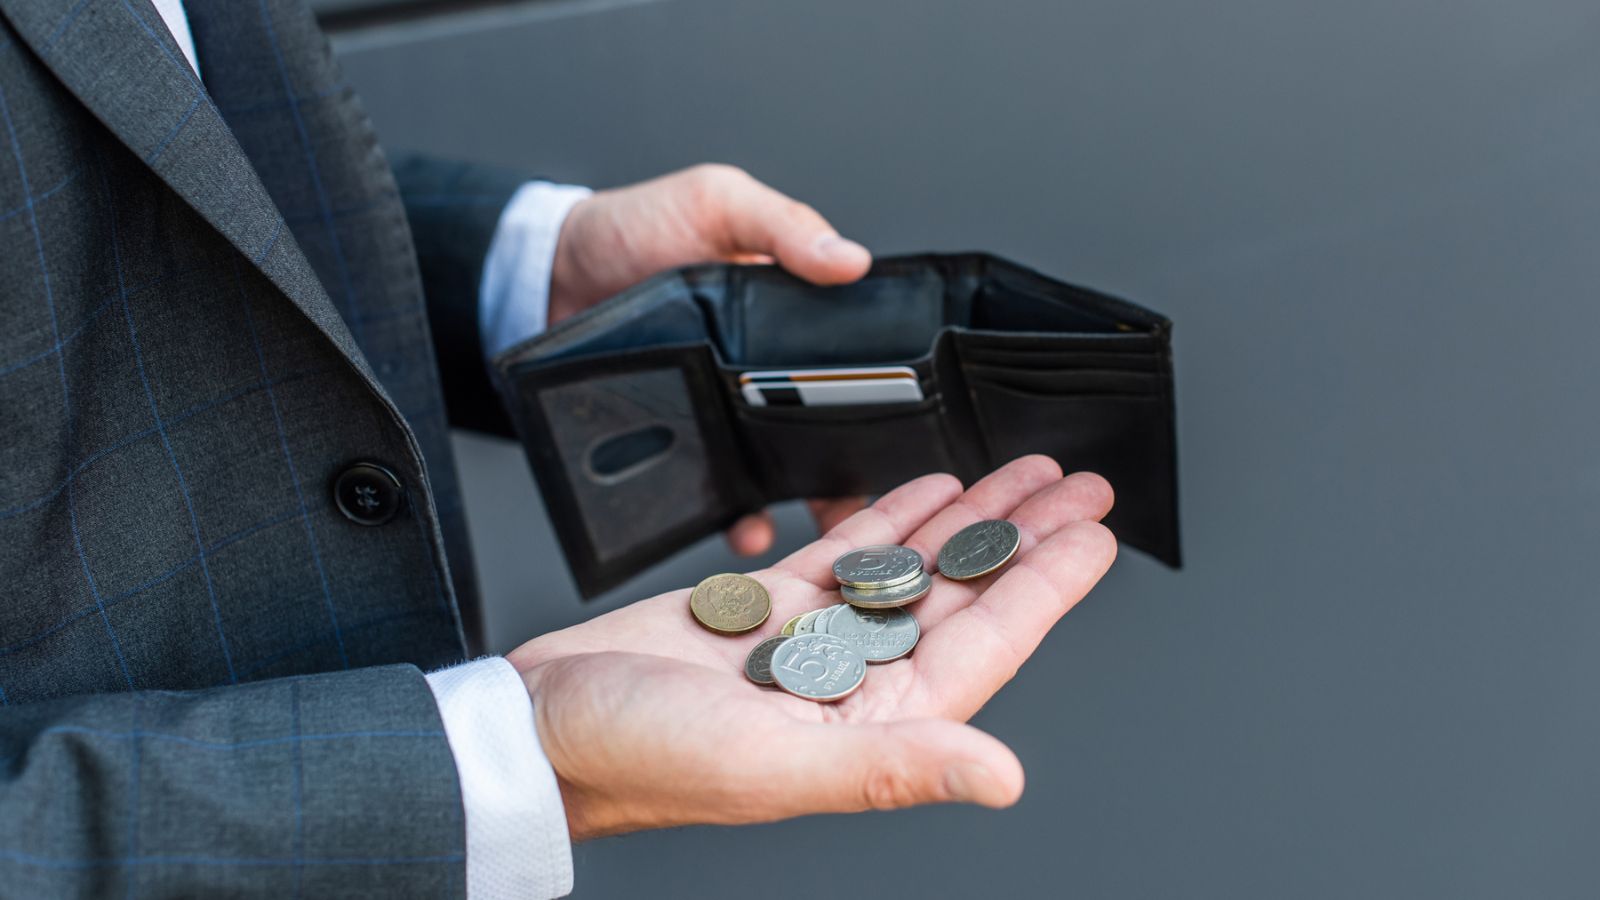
667 412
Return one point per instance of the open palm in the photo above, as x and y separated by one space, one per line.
648 720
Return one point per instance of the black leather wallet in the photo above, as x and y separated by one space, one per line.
643 441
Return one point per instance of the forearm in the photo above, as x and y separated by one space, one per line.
341 783
453 209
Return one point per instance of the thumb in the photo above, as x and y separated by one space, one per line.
760 220
847 768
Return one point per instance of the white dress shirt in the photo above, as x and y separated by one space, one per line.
517 841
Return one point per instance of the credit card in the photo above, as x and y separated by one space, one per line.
830 387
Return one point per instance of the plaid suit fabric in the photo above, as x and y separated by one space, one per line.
281 788
209 307
269 71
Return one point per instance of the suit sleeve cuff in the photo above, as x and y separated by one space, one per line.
517 842
515 294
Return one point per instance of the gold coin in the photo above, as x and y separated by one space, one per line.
788 627
730 604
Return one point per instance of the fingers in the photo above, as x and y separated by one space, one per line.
755 219
830 512
963 661
993 497
849 768
894 515
922 514
751 535
1080 497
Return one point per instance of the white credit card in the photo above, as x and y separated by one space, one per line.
830 387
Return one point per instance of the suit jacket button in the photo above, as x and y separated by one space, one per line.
368 494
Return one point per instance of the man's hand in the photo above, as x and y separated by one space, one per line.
649 722
710 213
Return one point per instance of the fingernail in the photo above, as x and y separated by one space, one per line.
834 247
964 781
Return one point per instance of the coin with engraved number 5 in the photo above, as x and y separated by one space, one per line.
878 566
818 667
899 595
730 604
978 549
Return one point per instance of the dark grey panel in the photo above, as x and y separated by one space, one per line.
1374 224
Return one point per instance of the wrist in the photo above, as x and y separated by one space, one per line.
577 803
571 284
516 824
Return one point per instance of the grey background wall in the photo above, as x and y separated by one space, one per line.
1375 225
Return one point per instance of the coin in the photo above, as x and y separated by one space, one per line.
788 627
879 635
978 549
730 604
820 625
899 595
806 621
878 566
818 667
758 665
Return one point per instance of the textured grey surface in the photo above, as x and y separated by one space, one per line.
1374 225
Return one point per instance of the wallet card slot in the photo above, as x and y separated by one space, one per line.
634 454
640 499
840 451
1125 438
1045 358
922 367
976 340
1071 382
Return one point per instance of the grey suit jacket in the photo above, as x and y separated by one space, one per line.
210 308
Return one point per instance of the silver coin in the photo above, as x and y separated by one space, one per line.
978 549
878 566
758 665
879 635
806 621
818 667
899 595
820 625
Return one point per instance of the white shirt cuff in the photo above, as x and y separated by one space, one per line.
514 295
517 843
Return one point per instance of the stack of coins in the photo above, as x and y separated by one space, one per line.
883 576
823 654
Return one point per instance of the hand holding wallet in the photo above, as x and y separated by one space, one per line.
643 429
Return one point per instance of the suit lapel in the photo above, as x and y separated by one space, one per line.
119 60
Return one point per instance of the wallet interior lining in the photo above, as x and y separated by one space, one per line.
761 317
